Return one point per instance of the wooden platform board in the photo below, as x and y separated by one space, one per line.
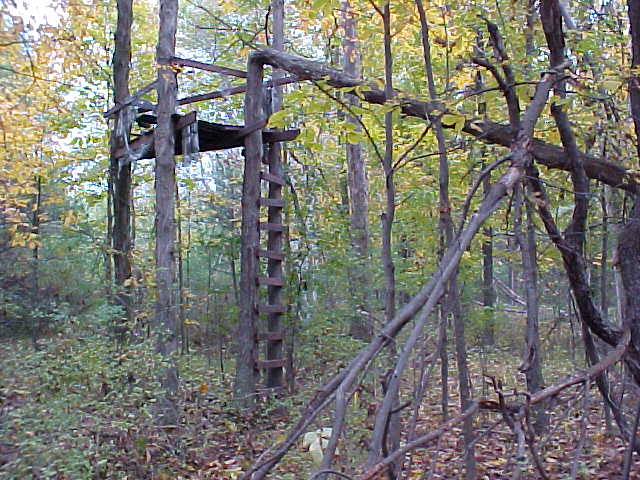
212 136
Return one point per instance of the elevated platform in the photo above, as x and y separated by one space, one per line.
212 136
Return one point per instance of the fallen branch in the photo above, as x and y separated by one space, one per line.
420 442
491 405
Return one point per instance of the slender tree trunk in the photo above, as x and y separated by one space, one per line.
207 311
444 362
35 281
446 229
358 182
531 364
120 168
488 290
165 228
390 190
393 431
181 308
604 257
108 241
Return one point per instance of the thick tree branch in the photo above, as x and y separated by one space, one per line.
551 156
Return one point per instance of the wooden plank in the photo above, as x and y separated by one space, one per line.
270 177
272 136
271 202
209 67
265 364
212 137
272 227
270 254
273 281
272 336
266 308
185 120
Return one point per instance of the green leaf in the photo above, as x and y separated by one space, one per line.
611 84
278 119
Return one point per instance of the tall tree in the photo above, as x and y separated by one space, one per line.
165 228
358 184
452 304
120 168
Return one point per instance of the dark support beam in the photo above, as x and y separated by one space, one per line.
247 371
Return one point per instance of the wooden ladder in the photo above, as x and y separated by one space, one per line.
273 230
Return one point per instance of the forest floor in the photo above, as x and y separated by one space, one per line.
83 408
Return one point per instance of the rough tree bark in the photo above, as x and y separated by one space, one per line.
629 240
246 369
634 79
120 173
165 228
360 326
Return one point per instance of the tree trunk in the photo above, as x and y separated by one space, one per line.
390 190
446 230
488 290
120 169
165 229
246 367
531 364
360 326
634 79
35 271
184 337
393 428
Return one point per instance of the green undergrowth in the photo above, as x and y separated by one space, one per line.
82 406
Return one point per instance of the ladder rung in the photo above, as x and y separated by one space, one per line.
263 364
270 177
272 254
270 336
273 227
273 281
271 202
266 308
